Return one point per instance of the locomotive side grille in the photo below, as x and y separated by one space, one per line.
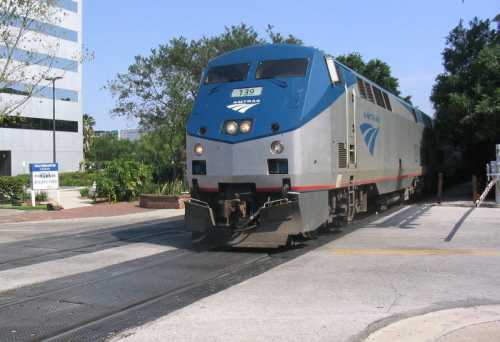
387 101
362 89
342 155
378 97
369 92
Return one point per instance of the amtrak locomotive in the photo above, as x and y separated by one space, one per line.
284 139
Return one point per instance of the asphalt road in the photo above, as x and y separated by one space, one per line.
138 278
93 284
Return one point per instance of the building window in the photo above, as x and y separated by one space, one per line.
38 124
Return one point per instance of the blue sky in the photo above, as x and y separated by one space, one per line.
408 35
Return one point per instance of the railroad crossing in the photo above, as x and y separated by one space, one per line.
137 278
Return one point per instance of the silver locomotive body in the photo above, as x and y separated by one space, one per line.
346 144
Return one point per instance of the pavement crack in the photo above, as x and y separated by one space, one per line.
65 301
397 294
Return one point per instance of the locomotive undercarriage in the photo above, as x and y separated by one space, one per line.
238 215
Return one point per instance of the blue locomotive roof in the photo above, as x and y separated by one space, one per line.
263 52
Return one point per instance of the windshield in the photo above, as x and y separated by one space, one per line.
227 73
282 68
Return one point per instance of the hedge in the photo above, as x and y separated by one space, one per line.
76 178
12 188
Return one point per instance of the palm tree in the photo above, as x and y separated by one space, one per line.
88 134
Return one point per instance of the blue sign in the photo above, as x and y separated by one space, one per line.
44 167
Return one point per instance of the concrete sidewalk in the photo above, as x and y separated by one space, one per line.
26 230
70 198
419 260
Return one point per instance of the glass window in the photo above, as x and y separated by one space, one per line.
38 124
282 68
227 73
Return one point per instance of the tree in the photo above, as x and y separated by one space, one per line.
375 70
159 89
467 95
88 135
108 147
19 42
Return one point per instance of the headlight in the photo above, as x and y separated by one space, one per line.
277 147
231 127
198 149
245 126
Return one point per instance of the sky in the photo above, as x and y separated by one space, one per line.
408 35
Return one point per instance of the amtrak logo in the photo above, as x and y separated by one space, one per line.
370 135
243 106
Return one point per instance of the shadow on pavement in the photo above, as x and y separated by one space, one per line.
457 225
405 218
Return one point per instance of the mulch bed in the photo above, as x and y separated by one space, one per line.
97 210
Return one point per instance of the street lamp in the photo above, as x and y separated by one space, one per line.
53 80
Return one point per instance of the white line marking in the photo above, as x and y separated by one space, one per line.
49 270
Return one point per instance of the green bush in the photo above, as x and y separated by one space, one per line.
173 188
25 179
76 178
41 197
123 180
85 192
12 189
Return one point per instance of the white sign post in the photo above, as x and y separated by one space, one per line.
497 190
44 177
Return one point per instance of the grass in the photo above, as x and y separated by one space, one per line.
24 207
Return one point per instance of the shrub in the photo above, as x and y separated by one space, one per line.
123 180
84 192
12 189
76 178
173 188
41 197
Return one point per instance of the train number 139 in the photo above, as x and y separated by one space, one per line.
246 92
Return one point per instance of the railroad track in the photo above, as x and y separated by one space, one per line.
94 306
47 248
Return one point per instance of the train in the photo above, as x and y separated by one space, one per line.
284 139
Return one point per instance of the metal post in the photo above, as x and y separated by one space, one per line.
53 80
497 190
440 187
475 194
53 120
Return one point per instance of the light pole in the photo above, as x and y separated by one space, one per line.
53 80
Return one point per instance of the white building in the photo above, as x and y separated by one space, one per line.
30 140
130 134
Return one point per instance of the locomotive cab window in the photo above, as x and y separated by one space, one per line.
296 67
227 73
